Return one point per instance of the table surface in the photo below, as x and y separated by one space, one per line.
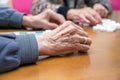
102 62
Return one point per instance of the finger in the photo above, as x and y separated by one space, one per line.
48 25
102 11
59 21
79 47
86 40
99 12
51 25
105 13
84 48
74 39
61 27
81 31
91 18
70 48
98 18
56 17
80 39
61 18
84 19
94 16
71 30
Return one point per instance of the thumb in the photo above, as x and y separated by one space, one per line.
51 25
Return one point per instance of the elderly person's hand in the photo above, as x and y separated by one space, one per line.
65 39
103 12
45 20
88 15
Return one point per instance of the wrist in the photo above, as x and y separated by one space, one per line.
41 47
72 14
27 21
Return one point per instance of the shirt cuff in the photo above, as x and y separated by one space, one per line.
16 20
28 48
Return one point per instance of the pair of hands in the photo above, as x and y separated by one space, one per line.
88 15
65 39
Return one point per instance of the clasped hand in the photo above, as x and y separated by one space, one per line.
65 39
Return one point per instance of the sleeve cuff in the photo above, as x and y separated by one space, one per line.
108 7
16 20
28 50
92 3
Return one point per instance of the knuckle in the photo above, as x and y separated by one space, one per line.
68 22
76 46
86 48
94 14
48 10
73 30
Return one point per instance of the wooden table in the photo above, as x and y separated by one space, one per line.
102 62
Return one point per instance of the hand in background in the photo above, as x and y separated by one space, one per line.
45 20
65 39
103 12
88 15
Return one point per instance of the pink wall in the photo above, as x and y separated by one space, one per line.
22 5
115 4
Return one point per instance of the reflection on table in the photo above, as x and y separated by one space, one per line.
102 62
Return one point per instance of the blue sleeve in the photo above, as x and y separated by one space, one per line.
10 18
17 50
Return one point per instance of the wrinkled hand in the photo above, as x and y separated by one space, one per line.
45 20
103 12
65 39
88 15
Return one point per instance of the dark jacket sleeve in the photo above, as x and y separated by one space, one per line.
10 18
63 10
105 3
17 50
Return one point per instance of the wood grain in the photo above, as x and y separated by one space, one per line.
102 62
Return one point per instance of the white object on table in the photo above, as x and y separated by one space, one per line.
107 25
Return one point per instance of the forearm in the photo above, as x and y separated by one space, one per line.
10 18
17 50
